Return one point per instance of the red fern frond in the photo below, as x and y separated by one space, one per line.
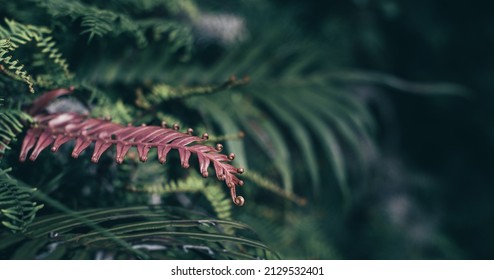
59 128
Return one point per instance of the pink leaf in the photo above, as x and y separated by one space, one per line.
163 152
143 152
61 139
59 128
203 164
80 145
184 157
28 143
122 150
44 140
41 102
99 148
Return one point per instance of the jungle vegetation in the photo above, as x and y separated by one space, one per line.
181 129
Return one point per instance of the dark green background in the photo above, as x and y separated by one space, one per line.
450 139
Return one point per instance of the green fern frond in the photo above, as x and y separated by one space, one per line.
15 68
11 124
174 7
219 201
105 105
47 45
16 35
161 93
176 35
98 22
291 113
17 210
156 231
272 224
318 114
219 113
273 187
95 21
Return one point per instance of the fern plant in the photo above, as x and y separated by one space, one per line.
18 212
59 128
140 83
16 208
11 124
301 128
146 232
16 35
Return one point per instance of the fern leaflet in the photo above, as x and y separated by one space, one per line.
11 124
17 211
18 34
193 184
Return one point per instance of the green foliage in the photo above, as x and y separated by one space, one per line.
114 82
12 123
97 22
220 203
16 35
312 135
154 232
5 47
17 210
270 226
94 21
304 104
160 93
273 187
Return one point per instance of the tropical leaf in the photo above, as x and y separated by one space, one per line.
220 204
156 232
16 35
59 128
12 123
16 208
292 114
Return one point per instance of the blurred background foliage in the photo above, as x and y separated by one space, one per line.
364 127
